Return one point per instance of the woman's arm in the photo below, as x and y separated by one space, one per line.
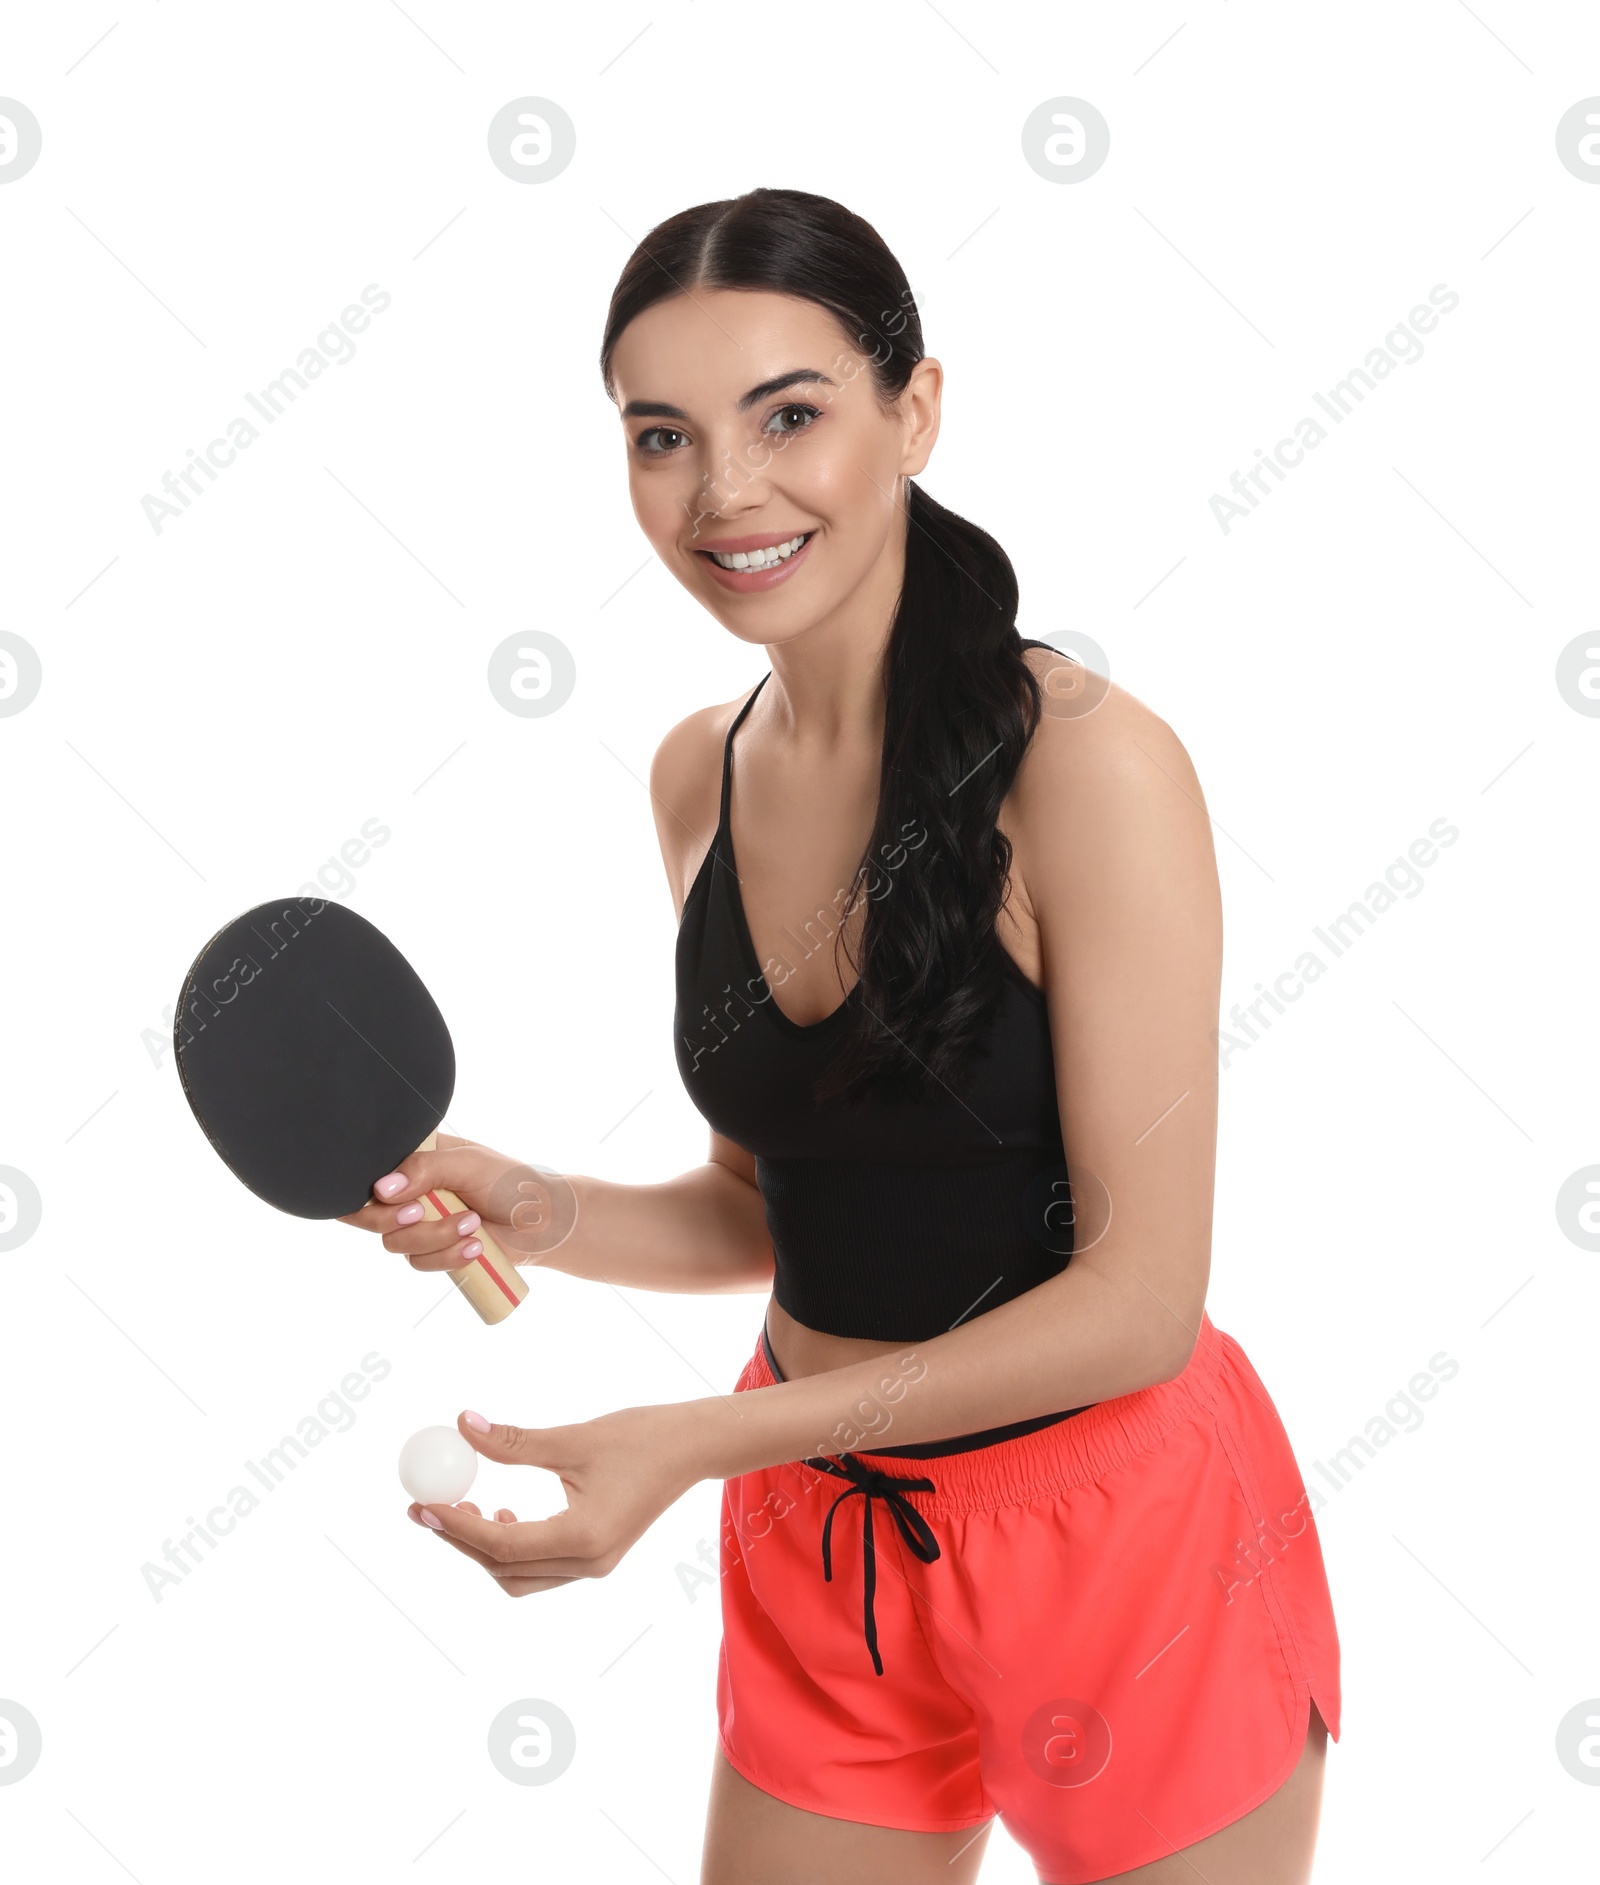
1113 856
704 1231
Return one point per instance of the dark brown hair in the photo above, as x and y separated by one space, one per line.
961 702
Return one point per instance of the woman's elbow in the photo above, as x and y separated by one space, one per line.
1175 1350
1165 1348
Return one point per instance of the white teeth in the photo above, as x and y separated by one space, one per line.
759 559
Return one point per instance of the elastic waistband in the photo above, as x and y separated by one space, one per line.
1054 1458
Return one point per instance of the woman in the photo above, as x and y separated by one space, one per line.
1002 1531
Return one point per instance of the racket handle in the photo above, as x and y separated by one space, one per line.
491 1282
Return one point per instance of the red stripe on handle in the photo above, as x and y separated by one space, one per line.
500 1282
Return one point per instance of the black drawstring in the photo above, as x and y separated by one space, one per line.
914 1528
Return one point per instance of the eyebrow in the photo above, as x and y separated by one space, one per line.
658 409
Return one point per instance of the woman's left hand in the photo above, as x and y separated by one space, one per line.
620 1472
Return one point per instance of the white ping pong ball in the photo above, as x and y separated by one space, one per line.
437 1466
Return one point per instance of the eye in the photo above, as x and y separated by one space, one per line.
655 432
807 415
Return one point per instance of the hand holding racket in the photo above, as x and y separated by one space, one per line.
316 1061
524 1212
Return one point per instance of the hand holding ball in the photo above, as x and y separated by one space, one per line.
437 1467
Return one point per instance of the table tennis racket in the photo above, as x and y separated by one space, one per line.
316 1061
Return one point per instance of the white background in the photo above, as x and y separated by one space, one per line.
225 703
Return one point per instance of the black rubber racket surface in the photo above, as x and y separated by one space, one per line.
311 1053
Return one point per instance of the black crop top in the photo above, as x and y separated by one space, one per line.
891 1219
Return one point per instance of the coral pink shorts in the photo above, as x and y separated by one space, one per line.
1108 1630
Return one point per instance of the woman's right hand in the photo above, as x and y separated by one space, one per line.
527 1212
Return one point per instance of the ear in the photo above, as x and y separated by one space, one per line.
920 401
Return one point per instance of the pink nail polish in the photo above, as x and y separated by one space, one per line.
475 1421
409 1214
469 1223
471 1250
387 1187
430 1520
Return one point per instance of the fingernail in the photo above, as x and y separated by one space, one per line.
387 1187
409 1214
429 1519
474 1249
469 1223
475 1421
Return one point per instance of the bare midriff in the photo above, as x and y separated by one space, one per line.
801 1351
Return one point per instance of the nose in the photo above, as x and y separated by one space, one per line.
734 465
727 491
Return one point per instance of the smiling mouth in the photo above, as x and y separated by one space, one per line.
759 559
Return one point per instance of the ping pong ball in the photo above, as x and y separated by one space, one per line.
437 1466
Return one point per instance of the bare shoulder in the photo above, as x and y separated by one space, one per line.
1097 733
686 791
1106 788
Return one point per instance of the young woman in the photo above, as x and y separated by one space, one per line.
1003 1532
